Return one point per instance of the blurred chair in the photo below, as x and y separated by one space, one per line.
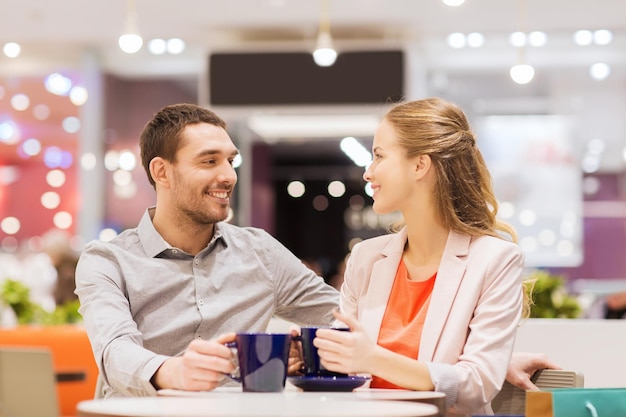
72 360
27 383
512 400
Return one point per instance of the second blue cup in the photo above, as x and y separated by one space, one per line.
312 365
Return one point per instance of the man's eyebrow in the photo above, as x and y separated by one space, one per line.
209 152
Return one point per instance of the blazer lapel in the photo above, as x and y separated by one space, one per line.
381 282
449 277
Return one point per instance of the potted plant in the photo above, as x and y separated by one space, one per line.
16 296
549 295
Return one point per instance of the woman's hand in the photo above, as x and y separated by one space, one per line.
346 352
523 366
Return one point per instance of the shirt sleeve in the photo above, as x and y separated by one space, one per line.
123 362
302 297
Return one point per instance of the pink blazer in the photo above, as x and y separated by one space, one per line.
470 327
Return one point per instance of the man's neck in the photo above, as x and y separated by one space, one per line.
182 235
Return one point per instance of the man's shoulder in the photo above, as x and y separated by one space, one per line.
125 241
243 232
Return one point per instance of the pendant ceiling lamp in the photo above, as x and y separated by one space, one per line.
130 42
522 73
325 53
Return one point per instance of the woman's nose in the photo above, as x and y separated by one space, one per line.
366 174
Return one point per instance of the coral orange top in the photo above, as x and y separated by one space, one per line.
401 328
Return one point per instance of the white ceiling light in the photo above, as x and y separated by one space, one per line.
475 40
130 42
355 151
603 37
157 46
453 3
522 73
583 37
599 71
11 49
325 53
537 38
456 40
175 46
313 126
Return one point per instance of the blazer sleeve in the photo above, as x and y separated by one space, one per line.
492 289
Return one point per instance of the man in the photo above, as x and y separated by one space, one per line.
160 300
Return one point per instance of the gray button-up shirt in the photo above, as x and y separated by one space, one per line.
143 301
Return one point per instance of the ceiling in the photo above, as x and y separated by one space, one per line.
54 33
66 34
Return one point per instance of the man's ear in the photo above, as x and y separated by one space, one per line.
159 171
423 163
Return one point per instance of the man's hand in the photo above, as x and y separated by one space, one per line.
522 367
201 368
296 361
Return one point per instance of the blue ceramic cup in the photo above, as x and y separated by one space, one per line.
312 365
262 361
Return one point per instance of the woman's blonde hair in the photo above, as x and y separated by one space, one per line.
464 196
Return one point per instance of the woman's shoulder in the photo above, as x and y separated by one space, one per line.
495 248
378 241
486 241
379 245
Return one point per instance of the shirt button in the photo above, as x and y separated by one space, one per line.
174 251
201 302
197 261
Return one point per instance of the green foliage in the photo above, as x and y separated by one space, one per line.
550 298
17 296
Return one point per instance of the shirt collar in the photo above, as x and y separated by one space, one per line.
154 244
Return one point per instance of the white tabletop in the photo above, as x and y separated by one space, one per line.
362 393
253 405
430 397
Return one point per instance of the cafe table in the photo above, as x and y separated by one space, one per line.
247 404
429 397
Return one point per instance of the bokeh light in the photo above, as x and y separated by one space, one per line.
10 225
296 189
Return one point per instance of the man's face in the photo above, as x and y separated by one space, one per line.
203 177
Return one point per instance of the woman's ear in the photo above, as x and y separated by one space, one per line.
423 164
158 171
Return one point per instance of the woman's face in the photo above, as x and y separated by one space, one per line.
391 174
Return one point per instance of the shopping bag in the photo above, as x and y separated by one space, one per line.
576 402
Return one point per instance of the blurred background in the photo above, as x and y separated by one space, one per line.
542 82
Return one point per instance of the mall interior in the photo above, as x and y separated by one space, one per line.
543 85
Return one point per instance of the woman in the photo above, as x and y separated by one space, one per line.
436 305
